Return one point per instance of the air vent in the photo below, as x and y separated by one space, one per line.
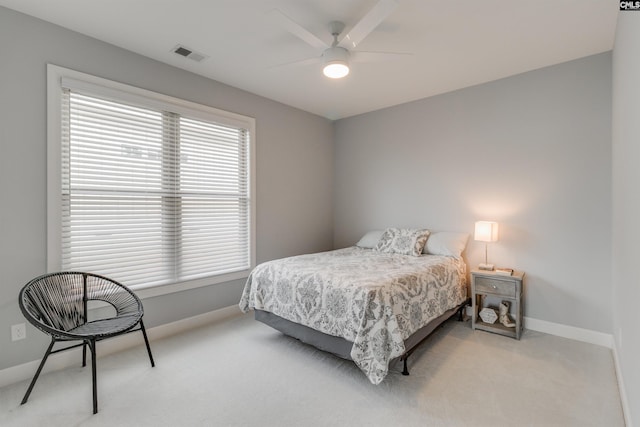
182 51
189 53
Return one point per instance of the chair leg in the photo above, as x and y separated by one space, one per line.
92 347
35 377
146 341
84 354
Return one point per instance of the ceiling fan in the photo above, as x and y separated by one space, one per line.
336 57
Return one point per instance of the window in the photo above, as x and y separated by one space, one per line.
148 190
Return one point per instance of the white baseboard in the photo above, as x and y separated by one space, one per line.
571 332
621 387
73 357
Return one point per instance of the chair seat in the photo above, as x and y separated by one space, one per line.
106 327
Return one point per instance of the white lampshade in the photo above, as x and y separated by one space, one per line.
486 231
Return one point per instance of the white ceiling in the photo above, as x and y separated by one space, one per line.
454 43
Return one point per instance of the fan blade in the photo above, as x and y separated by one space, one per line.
368 23
308 61
360 56
296 29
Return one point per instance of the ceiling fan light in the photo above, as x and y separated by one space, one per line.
336 62
336 70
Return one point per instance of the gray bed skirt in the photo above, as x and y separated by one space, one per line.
340 346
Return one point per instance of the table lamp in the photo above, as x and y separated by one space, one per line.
486 231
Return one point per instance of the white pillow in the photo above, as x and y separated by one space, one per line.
446 243
405 241
370 240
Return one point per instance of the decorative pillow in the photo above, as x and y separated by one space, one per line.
370 240
405 241
446 243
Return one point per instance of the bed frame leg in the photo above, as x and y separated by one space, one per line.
405 371
462 308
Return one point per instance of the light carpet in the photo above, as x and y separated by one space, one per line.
239 372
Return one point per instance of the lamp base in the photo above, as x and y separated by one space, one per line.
488 267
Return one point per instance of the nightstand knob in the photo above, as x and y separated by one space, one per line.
494 287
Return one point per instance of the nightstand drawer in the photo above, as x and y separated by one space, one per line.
497 287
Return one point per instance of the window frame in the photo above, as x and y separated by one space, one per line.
55 76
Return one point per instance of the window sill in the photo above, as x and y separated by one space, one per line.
144 292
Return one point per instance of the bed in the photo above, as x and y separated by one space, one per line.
361 303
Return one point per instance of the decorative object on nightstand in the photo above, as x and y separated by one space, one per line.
504 271
504 315
488 315
486 231
491 289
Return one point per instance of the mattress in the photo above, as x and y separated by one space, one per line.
374 300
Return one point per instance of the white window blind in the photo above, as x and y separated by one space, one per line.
149 195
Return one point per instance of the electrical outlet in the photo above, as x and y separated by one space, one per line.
18 332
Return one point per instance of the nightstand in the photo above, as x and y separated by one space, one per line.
488 289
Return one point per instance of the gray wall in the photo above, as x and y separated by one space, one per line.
294 166
626 204
532 152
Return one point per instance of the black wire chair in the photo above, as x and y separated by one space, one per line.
56 304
